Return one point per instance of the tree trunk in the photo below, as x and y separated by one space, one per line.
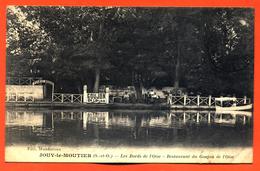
97 69
137 83
138 89
177 67
97 78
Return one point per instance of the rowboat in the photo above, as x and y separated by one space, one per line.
232 106
235 112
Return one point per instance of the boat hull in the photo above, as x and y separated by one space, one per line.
235 112
234 108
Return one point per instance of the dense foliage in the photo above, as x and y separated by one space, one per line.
205 50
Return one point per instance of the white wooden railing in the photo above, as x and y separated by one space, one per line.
201 101
78 98
21 80
66 98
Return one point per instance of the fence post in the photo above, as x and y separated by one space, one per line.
107 95
198 118
245 99
62 98
85 94
184 99
71 100
198 100
209 100
170 99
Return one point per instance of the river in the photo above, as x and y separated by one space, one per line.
128 128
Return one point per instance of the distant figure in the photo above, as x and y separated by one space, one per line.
126 97
169 99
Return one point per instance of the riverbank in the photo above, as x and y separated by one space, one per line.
132 106
87 105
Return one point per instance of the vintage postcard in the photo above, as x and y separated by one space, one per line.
129 84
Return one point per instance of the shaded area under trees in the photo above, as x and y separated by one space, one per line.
205 50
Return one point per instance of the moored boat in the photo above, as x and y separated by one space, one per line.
229 104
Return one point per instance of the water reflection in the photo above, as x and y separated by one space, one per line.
134 128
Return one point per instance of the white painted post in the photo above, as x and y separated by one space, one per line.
170 99
244 119
209 118
184 117
71 100
221 102
107 95
209 100
245 99
62 97
198 118
198 100
85 94
184 99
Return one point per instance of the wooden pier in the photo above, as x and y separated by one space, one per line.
28 98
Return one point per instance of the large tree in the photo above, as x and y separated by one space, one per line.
26 44
84 36
201 49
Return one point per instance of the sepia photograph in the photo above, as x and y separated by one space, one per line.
129 84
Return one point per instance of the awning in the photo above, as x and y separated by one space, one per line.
226 99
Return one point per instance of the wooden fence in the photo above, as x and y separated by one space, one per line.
66 98
78 98
21 80
202 101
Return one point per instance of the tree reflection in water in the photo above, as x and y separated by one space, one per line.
130 128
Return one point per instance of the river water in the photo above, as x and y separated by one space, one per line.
128 128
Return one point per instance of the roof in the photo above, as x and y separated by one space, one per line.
226 99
